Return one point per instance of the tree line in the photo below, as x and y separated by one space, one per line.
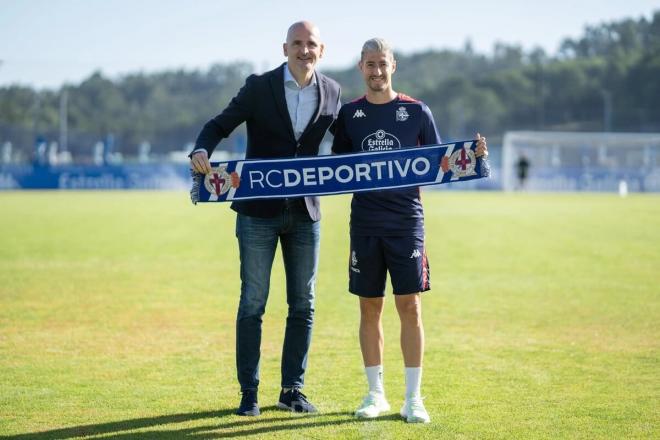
608 79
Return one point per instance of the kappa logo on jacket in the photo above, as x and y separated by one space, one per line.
359 114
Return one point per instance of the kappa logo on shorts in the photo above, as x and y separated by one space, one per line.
416 254
354 262
359 114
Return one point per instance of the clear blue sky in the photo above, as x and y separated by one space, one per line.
46 43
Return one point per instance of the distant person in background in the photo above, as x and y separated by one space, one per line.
522 170
288 111
387 228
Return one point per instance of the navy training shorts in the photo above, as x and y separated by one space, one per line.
371 257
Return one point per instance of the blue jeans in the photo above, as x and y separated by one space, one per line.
257 241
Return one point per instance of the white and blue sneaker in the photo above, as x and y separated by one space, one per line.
413 410
372 405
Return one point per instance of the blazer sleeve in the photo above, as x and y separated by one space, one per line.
239 110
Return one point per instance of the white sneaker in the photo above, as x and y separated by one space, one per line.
372 405
413 410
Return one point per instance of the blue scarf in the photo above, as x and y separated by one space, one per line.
338 174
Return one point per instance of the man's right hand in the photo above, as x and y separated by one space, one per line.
199 162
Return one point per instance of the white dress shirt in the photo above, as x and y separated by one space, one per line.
300 101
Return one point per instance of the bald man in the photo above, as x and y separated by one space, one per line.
287 112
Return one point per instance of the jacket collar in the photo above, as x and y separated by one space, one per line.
288 77
277 87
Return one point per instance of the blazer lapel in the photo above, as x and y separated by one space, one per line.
320 90
277 87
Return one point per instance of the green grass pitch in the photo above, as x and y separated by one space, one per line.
117 321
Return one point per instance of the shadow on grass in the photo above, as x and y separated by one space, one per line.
244 426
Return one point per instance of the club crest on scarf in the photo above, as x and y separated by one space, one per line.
463 162
218 181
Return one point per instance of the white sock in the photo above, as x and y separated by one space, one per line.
413 382
375 379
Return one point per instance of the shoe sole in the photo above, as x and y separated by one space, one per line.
284 406
418 420
414 419
366 416
248 414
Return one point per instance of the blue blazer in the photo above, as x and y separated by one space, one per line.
261 104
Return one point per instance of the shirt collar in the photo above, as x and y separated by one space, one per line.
289 79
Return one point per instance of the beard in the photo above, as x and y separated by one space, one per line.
377 86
